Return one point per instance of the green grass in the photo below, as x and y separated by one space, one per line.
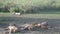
5 14
49 16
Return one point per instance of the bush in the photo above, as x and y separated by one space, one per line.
27 6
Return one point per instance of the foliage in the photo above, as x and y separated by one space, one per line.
28 6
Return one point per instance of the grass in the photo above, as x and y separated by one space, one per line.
45 15
54 19
49 16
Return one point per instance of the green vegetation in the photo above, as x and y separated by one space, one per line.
48 16
34 11
29 6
